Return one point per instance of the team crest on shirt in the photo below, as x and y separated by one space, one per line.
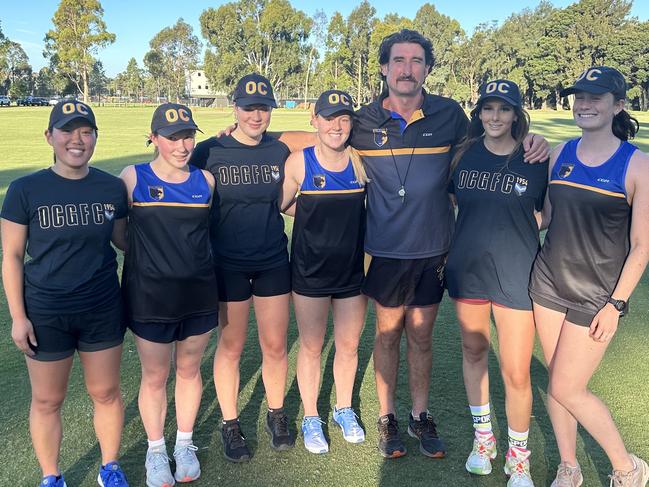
521 186
109 211
274 172
565 170
380 137
319 180
156 192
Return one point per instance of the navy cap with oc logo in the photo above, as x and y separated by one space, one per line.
599 80
67 110
170 118
501 88
333 101
254 89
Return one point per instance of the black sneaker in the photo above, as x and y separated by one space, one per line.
425 430
390 444
234 443
277 427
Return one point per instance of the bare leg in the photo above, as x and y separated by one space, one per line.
155 360
232 337
419 330
189 383
272 324
49 381
515 346
575 360
474 327
101 373
311 315
349 318
389 328
548 327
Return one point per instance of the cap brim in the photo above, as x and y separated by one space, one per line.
64 121
255 100
590 88
172 129
331 111
511 101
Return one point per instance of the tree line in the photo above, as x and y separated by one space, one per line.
542 49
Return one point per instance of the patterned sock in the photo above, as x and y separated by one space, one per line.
183 438
518 439
481 418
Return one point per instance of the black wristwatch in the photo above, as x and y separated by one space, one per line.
620 305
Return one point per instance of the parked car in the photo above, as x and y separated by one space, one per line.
5 101
32 101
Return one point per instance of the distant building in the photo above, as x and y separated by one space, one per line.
199 87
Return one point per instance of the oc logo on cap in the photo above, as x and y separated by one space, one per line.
590 74
339 98
173 115
499 86
71 107
253 87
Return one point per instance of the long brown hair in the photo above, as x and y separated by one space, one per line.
520 129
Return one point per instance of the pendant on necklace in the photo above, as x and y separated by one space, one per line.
402 193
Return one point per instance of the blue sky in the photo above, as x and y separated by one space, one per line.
136 22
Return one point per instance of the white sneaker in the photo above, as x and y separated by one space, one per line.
568 476
187 466
517 466
484 450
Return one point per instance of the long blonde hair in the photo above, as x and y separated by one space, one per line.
358 166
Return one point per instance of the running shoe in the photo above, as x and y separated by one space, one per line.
390 444
277 427
517 466
568 476
52 481
638 477
484 450
158 473
347 420
314 439
111 475
187 466
425 430
234 443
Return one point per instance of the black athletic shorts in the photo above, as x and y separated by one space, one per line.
577 317
175 331
58 336
240 285
341 295
409 282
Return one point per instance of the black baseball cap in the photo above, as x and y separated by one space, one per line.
254 89
501 88
598 80
67 110
170 118
334 101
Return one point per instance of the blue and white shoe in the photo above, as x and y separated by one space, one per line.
52 481
111 475
158 473
347 420
314 439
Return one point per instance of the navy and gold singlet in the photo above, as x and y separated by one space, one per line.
327 243
168 270
588 238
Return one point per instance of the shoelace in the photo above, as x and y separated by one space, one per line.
114 477
159 459
427 426
349 416
312 426
619 479
234 437
390 429
183 452
564 475
279 424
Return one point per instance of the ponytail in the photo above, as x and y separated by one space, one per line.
625 126
357 166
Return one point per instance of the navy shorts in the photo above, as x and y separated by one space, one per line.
340 295
175 331
58 336
241 285
405 282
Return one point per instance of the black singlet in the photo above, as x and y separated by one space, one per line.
247 229
168 270
327 242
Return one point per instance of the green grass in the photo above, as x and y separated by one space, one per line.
621 380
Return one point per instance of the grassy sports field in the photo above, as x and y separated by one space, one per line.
622 380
